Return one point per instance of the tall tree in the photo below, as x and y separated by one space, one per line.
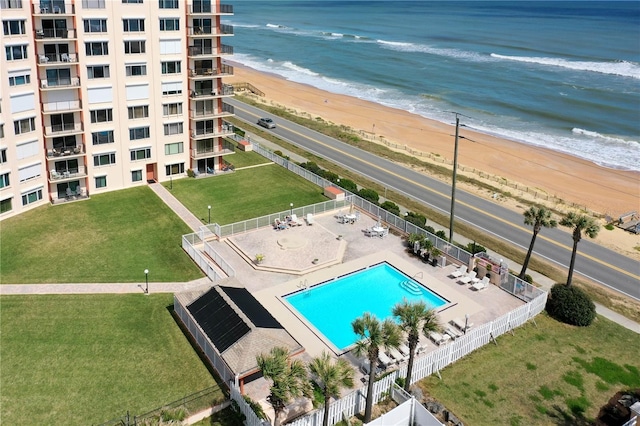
580 223
288 376
331 376
373 335
538 217
414 317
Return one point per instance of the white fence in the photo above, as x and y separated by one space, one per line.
219 260
188 244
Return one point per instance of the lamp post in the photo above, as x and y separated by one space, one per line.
146 280
466 321
209 208
290 208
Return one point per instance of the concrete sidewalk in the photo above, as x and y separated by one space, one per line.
189 218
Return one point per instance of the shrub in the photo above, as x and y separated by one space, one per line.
528 278
330 176
238 131
400 381
430 229
369 195
349 185
190 173
416 218
474 248
442 234
570 305
609 226
278 153
257 408
391 207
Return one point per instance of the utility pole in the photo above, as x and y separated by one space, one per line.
453 183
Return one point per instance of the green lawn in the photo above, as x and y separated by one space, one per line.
245 194
112 237
245 159
549 374
85 359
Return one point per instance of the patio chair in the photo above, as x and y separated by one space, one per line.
78 191
462 269
482 284
384 359
466 279
397 355
461 324
439 339
294 221
310 220
404 350
65 57
453 332
384 232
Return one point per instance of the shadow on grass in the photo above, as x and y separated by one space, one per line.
562 417
223 386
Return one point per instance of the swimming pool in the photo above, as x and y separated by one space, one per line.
331 306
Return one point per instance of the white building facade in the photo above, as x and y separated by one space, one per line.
101 95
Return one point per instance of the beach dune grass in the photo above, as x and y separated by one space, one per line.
549 373
112 237
245 194
85 359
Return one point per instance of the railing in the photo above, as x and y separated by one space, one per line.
248 86
64 128
209 72
225 8
210 50
226 29
188 244
204 93
61 82
201 30
219 260
55 33
70 173
65 151
211 132
57 58
210 9
57 8
212 151
213 112
61 106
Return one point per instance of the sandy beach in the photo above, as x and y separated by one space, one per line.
569 178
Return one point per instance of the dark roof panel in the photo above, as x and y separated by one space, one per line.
248 304
218 320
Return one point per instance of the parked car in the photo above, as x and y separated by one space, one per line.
267 122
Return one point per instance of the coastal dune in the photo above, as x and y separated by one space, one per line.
574 180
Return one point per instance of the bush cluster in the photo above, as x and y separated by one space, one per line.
570 305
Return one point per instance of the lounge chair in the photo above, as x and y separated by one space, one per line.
484 283
439 339
310 220
384 359
404 350
462 269
294 221
460 324
396 354
364 367
453 332
466 279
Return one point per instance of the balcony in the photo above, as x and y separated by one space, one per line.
61 83
224 71
199 51
67 175
65 152
63 106
46 34
204 31
212 151
63 129
53 8
55 59
226 111
211 9
211 132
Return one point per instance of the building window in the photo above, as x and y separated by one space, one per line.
32 197
174 148
13 27
136 175
102 115
3 155
101 181
169 24
25 125
168 4
175 169
135 46
133 25
10 4
93 4
15 53
19 80
104 159
139 133
98 48
138 69
138 112
174 88
171 67
140 154
5 205
98 71
132 1
2 131
95 25
173 129
99 138
4 180
172 109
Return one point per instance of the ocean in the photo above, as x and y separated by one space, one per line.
562 75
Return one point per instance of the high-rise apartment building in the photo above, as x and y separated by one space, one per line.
99 95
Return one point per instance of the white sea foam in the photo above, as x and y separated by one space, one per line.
621 68
425 48
275 26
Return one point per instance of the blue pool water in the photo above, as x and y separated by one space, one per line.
332 306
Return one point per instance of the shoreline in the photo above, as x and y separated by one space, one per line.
572 179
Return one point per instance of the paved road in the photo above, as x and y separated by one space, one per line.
593 261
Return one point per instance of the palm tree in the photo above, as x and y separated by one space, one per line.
536 216
331 376
413 317
373 335
289 378
580 223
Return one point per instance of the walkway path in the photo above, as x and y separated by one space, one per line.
189 218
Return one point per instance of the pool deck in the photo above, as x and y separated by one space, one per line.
288 266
